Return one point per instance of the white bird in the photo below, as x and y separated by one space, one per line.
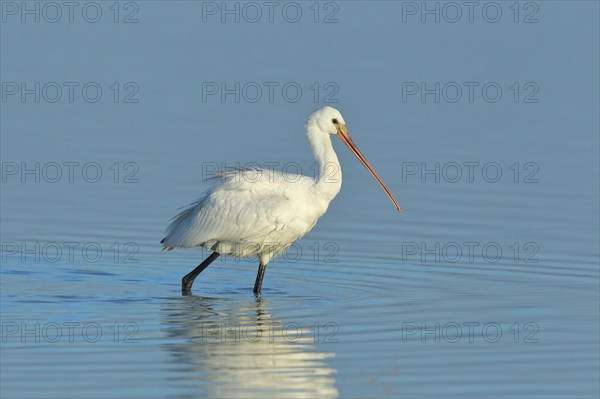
263 215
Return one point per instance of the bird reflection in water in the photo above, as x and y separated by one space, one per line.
232 349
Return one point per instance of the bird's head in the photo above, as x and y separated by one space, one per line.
330 120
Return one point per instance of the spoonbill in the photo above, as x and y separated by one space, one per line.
262 217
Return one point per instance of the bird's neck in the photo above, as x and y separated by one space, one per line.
329 179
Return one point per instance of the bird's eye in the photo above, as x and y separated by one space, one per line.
335 121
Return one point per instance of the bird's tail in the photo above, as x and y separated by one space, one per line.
165 247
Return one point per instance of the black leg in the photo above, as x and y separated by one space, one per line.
259 277
188 279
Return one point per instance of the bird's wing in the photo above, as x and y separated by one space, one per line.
241 209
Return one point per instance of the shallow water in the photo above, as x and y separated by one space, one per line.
485 286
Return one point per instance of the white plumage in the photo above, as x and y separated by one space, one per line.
259 212
247 216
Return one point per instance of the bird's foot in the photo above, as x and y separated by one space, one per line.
186 286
